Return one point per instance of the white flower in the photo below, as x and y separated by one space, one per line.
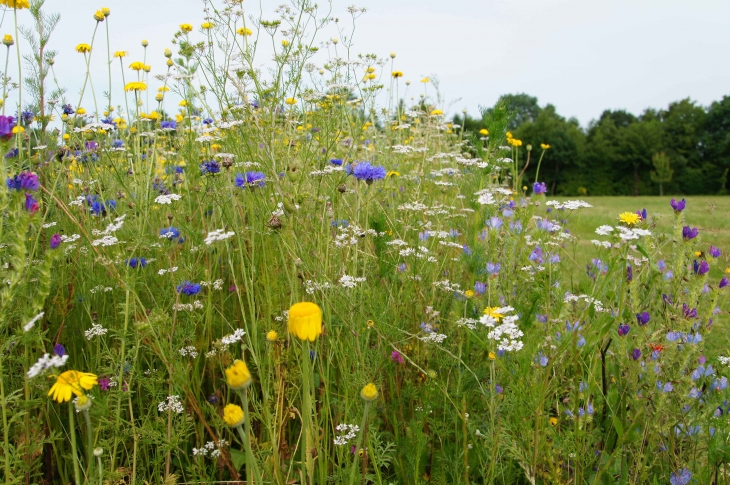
167 198
33 321
486 199
95 330
218 235
105 241
604 230
172 404
45 363
236 336
350 281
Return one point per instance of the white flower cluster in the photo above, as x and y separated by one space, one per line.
451 244
569 204
470 323
421 252
310 287
210 448
604 244
33 321
96 330
472 162
49 224
45 363
413 206
569 297
504 329
166 199
188 307
326 170
350 281
446 285
163 271
105 241
172 404
79 201
279 211
111 228
217 284
434 337
604 230
347 432
351 234
218 235
724 360
189 351
236 336
70 239
396 242
100 288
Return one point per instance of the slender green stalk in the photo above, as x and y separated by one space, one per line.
6 429
363 424
74 452
253 475
306 440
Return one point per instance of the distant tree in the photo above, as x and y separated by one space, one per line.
523 108
662 172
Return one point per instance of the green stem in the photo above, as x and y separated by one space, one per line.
353 468
6 438
306 414
252 470
89 442
537 172
72 431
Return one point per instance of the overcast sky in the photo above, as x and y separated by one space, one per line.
583 56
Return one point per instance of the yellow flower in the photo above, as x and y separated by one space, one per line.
147 68
19 4
233 415
99 16
106 11
392 173
508 134
8 40
544 146
305 320
183 103
469 293
120 54
168 53
82 403
425 80
81 111
154 116
436 112
369 77
163 89
238 376
493 312
186 27
553 421
244 31
137 66
284 42
397 74
145 43
370 324
484 132
179 118
135 86
159 97
370 70
71 382
83 48
369 392
272 336
169 63
291 101
66 136
629 218
492 356
207 25
18 129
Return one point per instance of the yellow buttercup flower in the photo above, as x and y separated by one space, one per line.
106 11
233 415
436 112
71 382
370 70
99 16
137 66
244 31
207 25
272 336
484 132
18 129
19 4
469 293
397 74
305 320
120 54
492 356
83 48
291 101
147 68
629 218
238 376
392 173
544 146
135 86
183 103
81 111
284 43
186 27
493 312
553 421
369 392
163 89
369 77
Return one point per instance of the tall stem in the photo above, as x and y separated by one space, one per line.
72 431
353 468
20 80
252 470
307 468
5 79
6 437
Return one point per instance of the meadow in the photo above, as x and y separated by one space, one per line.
294 275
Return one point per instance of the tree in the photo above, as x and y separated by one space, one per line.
662 172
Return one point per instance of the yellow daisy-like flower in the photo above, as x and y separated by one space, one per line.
163 89
186 27
484 132
99 16
291 101
81 111
369 392
71 382
305 320
233 415
207 25
544 146
284 43
369 77
183 103
492 356
83 48
493 311
137 66
120 54
18 129
370 70
147 68
397 74
392 173
272 336
238 376
436 112
244 31
553 421
425 80
469 293
135 86
106 11
154 116
629 218
19 4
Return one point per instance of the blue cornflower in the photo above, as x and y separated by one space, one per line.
337 162
494 222
117 143
250 179
68 109
137 262
369 173
170 233
209 166
188 288
168 125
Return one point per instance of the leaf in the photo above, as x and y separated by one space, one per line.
618 426
238 458
641 249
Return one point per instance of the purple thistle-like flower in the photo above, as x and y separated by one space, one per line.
59 350
31 205
723 282
369 173
536 255
636 354
681 477
24 181
701 267
689 233
643 318
396 357
188 288
623 330
480 288
55 241
678 206
539 188
714 252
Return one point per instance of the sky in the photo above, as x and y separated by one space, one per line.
581 56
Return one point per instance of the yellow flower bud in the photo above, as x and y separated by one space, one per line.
305 321
369 392
238 376
233 415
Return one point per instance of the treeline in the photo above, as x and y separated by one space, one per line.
683 149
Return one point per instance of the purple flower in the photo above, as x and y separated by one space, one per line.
367 172
7 123
643 318
493 268
23 181
499 389
170 233
188 288
250 179
59 350
629 273
623 330
689 312
536 255
723 282
539 188
661 265
678 206
690 233
636 354
494 222
683 476
515 226
55 241
31 205
642 214
480 288
396 357
543 361
541 318
714 252
336 161
701 268
168 125
104 383
673 336
466 250
209 166
135 263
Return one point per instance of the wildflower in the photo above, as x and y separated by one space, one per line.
120 54
188 288
494 312
636 354
186 28
396 74
31 205
8 40
689 233
305 320
291 101
170 233
207 25
480 288
55 241
233 415
643 318
623 330
723 282
536 255
250 179
681 477
83 48
678 206
437 112
714 252
367 172
539 188
244 31
484 132
135 86
629 218
369 392
396 357
135 263
137 66
544 146
553 421
701 267
209 166
493 268
238 376
99 16
23 181
71 382
271 336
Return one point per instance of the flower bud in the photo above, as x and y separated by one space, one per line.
8 40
